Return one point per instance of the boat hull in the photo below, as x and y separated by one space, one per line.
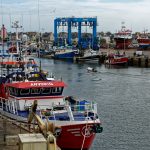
75 137
117 61
122 43
144 46
74 134
65 55
144 43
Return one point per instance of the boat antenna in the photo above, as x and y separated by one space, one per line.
39 18
30 21
39 34
10 24
2 35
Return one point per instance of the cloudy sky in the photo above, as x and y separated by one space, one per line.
110 13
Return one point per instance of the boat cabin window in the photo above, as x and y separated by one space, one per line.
46 90
53 90
35 91
13 91
24 91
57 90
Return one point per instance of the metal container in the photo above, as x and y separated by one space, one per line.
32 142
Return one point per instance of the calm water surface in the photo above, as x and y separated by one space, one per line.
123 97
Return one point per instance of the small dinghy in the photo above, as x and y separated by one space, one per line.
90 69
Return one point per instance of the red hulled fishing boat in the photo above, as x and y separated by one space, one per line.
78 119
143 40
117 59
123 38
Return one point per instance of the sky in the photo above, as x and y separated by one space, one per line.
39 15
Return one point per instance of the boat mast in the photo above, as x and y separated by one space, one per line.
123 31
39 42
16 26
2 36
10 25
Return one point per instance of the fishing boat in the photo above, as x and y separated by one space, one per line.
116 59
90 69
123 38
89 55
9 49
78 119
64 53
143 40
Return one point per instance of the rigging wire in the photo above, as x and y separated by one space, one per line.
2 34
39 34
39 18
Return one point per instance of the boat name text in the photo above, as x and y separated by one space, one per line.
41 84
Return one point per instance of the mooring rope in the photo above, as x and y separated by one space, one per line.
84 135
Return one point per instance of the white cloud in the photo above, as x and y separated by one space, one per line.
110 13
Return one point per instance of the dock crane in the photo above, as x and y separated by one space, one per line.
46 128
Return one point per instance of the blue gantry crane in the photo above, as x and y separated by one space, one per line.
79 23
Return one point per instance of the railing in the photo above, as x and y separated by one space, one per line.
7 105
73 112
84 107
66 111
2 103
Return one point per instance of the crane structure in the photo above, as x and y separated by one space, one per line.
78 23
48 129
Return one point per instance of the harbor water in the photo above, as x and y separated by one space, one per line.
123 99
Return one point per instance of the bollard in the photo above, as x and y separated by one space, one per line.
146 62
139 62
131 61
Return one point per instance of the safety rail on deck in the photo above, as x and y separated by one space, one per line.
8 105
2 103
85 107
74 112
